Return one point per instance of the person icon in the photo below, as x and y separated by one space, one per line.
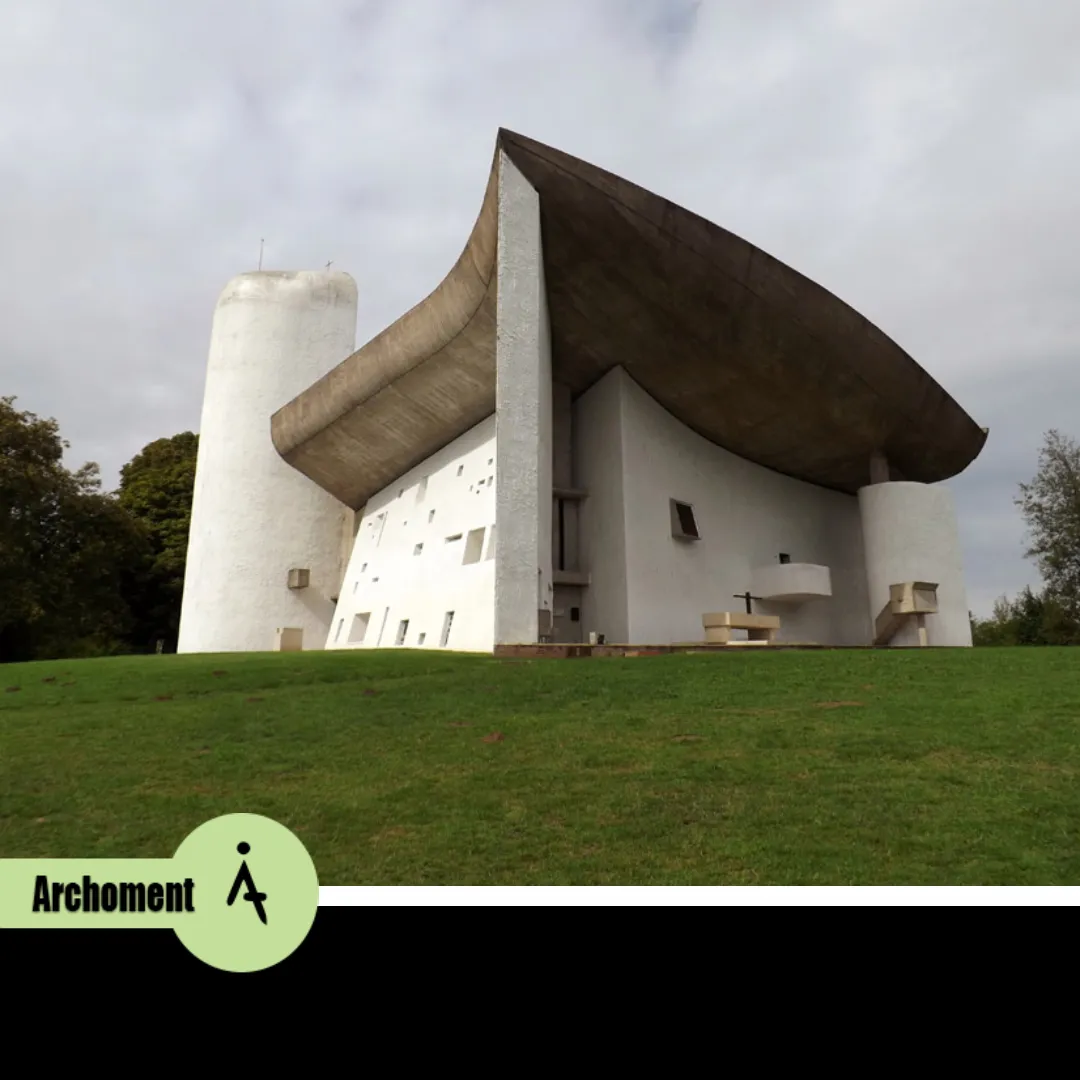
244 878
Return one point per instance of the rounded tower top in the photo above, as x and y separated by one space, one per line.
278 286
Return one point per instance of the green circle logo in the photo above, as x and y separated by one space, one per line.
256 892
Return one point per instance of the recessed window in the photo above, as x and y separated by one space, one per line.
447 622
373 580
491 480
363 568
683 522
337 636
421 639
460 469
491 543
402 630
416 550
358 631
400 493
575 614
421 490
355 586
784 558
474 547
453 539
431 516
490 460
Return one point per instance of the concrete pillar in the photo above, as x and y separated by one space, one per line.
879 469
523 417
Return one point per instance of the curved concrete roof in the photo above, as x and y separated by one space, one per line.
747 352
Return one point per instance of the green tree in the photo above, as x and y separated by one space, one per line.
66 549
156 489
1051 508
1030 619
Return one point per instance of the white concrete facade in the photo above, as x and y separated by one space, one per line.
523 574
253 516
550 519
649 587
422 571
911 534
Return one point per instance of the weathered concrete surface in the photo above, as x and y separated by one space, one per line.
742 349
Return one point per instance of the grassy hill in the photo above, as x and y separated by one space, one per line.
900 767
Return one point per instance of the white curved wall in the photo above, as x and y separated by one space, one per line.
254 517
910 534
633 456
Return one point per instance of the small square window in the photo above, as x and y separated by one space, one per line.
421 639
460 469
474 546
784 558
416 550
683 522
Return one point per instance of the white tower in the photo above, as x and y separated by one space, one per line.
910 534
254 518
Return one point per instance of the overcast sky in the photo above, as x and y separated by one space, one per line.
919 158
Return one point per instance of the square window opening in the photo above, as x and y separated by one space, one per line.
683 521
474 547
359 628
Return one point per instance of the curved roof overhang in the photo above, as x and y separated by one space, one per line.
742 349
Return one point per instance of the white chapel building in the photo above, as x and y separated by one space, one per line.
611 418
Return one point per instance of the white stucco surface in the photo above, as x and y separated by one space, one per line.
598 470
911 535
253 516
650 588
409 558
523 580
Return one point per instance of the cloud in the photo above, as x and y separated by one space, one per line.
920 159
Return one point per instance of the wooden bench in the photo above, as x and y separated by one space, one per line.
909 601
760 629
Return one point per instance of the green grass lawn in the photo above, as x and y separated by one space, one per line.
892 767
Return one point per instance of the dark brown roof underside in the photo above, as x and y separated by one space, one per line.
747 352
